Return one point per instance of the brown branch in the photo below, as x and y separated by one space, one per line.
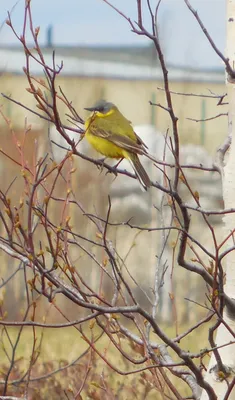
208 119
225 60
207 96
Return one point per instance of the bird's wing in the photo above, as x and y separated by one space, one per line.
127 144
120 140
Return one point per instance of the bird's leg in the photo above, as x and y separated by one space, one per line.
119 162
114 168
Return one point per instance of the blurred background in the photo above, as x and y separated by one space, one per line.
102 58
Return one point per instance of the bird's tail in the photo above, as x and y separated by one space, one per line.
141 174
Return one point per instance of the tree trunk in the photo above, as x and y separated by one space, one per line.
227 353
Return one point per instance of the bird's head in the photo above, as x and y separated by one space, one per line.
102 108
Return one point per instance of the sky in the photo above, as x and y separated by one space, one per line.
93 22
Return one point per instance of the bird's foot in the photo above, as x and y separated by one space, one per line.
101 165
114 168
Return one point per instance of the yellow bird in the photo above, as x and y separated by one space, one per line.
112 135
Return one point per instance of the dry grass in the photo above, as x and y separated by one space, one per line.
56 348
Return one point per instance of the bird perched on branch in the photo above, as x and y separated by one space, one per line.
112 135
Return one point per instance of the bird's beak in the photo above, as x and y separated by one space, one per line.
89 108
